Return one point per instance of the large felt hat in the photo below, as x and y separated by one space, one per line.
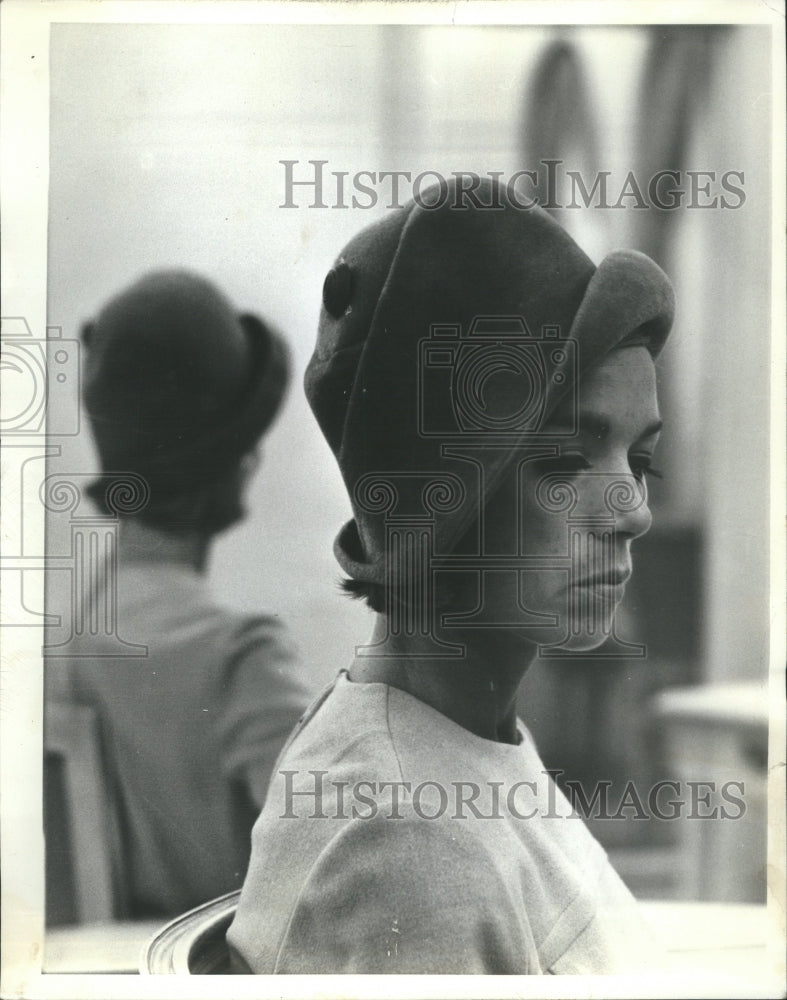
455 327
178 384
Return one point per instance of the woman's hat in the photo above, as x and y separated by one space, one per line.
455 327
178 385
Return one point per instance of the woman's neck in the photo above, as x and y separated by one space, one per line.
477 690
140 542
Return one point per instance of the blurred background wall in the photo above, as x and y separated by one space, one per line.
166 144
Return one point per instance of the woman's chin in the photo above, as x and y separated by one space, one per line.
580 639
554 639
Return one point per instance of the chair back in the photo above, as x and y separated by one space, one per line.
81 827
193 944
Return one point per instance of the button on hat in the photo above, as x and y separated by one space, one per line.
337 289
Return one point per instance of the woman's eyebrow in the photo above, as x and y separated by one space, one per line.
598 425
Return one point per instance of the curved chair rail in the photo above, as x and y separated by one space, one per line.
194 943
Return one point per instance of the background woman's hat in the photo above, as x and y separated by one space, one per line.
447 326
178 385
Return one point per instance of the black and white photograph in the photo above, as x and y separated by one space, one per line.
393 499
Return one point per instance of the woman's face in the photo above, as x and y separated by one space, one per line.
576 514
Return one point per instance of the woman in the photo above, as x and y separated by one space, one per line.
180 390
490 397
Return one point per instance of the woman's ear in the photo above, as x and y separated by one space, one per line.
86 333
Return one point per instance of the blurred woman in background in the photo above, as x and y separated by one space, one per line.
180 390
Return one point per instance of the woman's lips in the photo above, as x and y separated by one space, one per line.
608 587
609 593
611 578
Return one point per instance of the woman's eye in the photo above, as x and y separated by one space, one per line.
568 464
641 466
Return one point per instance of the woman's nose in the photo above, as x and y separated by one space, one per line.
628 498
618 500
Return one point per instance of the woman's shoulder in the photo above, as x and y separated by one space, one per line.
343 735
428 896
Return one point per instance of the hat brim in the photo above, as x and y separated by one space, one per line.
628 292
